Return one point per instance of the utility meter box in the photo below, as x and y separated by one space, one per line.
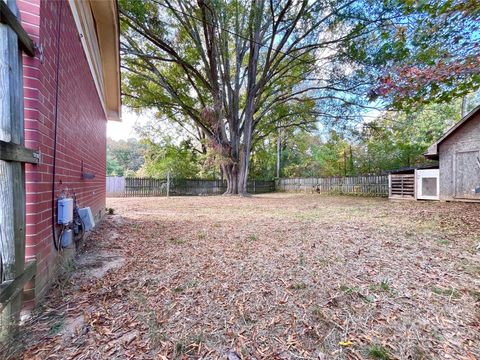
65 211
67 238
87 218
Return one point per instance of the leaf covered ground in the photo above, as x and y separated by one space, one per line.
276 276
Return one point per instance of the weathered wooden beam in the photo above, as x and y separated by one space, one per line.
11 288
15 152
8 17
12 172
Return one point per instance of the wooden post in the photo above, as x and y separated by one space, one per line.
168 184
12 175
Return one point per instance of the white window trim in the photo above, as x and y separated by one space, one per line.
84 20
82 15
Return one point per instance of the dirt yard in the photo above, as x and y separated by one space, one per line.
276 276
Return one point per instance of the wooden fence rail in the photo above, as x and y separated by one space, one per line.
371 185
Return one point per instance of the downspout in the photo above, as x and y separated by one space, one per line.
54 165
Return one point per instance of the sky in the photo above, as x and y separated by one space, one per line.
125 129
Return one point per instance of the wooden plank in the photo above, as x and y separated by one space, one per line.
6 175
11 288
18 168
15 152
8 17
12 179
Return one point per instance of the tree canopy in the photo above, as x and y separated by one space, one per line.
429 52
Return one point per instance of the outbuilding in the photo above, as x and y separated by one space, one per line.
458 154
414 183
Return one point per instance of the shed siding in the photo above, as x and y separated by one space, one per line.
466 138
81 134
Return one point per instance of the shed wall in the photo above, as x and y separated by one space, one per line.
458 166
81 134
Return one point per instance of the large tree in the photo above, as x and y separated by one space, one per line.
239 70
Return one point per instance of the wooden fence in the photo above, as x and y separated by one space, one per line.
143 187
370 185
139 187
115 186
15 273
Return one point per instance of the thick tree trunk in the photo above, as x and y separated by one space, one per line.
236 175
243 173
231 175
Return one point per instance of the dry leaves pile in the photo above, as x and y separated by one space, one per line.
276 276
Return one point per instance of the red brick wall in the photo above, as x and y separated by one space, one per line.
81 127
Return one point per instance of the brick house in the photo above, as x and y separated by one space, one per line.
71 90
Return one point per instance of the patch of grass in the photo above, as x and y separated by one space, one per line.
149 317
187 345
451 293
378 352
470 268
443 241
301 259
64 277
298 286
176 241
368 298
201 236
475 294
180 349
438 336
68 267
197 339
383 286
249 319
318 313
179 289
183 287
57 326
349 289
252 237
410 233
155 334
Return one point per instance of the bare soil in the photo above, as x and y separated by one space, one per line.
277 276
